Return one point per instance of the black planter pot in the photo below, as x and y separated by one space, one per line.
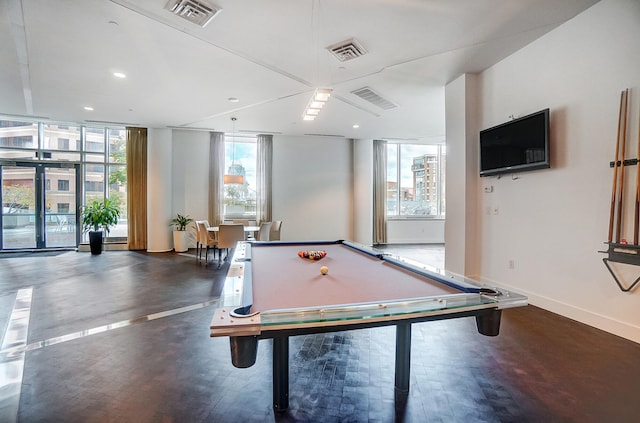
95 242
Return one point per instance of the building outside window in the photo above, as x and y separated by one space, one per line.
415 180
63 185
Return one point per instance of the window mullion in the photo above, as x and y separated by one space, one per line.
399 183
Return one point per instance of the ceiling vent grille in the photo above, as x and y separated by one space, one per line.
347 50
374 98
195 11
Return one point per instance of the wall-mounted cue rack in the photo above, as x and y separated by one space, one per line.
619 250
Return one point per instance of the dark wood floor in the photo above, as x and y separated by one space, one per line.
166 368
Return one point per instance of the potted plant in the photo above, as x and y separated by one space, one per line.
180 223
97 216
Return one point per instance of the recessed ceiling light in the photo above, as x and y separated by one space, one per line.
89 108
233 99
119 75
356 126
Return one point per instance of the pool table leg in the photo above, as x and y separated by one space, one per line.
489 323
403 356
280 373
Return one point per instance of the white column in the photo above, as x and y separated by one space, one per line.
363 191
461 226
159 190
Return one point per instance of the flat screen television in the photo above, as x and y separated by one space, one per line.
519 145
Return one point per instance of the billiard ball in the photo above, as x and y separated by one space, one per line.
324 270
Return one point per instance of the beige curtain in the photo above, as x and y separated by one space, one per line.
137 188
379 192
263 177
216 182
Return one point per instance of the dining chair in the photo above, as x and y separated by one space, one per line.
263 233
206 239
228 237
274 234
201 237
198 238
245 222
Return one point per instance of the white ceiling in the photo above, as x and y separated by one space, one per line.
59 56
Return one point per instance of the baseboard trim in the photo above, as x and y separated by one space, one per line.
598 321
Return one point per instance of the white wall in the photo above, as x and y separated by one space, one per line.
312 183
322 188
159 190
552 223
426 231
190 175
312 187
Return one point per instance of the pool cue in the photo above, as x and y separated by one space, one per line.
636 222
614 190
623 136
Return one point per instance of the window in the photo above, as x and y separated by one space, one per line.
63 143
415 180
63 208
61 138
92 187
94 140
22 142
100 150
18 134
63 185
240 159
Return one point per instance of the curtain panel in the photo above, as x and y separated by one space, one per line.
264 168
137 188
379 192
216 182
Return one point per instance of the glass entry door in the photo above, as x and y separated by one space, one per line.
39 205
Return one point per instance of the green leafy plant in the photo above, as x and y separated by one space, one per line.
100 214
181 222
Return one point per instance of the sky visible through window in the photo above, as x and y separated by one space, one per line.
245 155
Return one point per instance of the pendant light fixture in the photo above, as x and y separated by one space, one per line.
320 95
233 175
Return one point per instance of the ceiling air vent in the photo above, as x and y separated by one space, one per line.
347 50
198 12
374 98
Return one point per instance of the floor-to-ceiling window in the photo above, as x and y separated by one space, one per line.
47 171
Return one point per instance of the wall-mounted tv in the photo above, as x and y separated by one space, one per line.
516 146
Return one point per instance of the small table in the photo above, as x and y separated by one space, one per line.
271 292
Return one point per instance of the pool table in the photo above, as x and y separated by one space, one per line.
272 292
